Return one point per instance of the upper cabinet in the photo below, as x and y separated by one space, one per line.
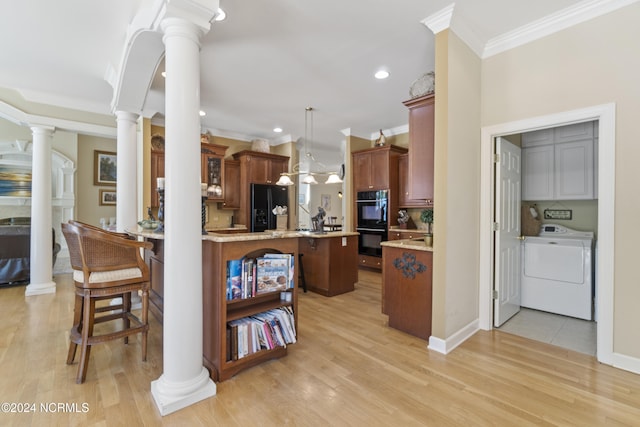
559 163
261 168
404 199
231 186
419 184
376 168
212 170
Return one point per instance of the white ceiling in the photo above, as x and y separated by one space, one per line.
260 67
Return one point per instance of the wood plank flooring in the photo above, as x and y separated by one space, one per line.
348 369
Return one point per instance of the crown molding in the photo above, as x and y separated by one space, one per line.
440 20
565 18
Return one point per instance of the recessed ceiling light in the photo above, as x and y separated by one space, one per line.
381 74
164 74
277 129
202 113
220 15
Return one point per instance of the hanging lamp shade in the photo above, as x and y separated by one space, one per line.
309 179
333 179
284 180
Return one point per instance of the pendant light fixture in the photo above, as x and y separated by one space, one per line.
285 177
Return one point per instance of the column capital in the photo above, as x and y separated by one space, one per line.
41 128
198 12
126 115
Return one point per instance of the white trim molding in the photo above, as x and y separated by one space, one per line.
605 280
447 345
565 18
440 20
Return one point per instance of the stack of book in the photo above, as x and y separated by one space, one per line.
248 277
262 331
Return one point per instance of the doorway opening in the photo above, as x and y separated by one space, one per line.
605 115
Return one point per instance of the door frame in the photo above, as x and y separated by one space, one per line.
605 284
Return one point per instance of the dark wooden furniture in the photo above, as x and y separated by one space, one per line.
421 147
218 311
376 168
231 185
407 289
404 198
212 168
106 266
256 168
330 263
399 234
157 170
155 260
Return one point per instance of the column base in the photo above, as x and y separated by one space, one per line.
40 288
170 397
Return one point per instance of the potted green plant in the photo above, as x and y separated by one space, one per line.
426 216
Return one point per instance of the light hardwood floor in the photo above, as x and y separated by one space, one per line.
348 369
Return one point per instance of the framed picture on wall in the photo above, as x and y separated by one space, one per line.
325 201
104 168
107 198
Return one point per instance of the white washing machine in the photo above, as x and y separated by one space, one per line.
557 271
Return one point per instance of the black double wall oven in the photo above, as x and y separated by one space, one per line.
372 221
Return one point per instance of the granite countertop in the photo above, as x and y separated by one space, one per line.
240 237
407 230
415 244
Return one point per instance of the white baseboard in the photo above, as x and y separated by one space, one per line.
628 363
447 345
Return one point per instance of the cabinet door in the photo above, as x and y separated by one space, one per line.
157 170
212 172
576 132
394 235
362 172
421 147
538 173
574 170
231 185
379 170
537 137
259 170
276 168
404 199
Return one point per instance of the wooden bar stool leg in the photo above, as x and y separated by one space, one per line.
87 333
145 321
77 325
126 311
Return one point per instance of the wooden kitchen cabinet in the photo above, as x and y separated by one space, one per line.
407 281
256 168
330 263
231 185
157 170
404 198
376 168
261 168
421 147
399 234
212 169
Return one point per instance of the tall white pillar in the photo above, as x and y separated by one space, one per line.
126 183
184 380
41 280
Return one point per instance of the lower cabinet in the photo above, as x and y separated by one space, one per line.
405 234
155 261
370 261
330 267
407 290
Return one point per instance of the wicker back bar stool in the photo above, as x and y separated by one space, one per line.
105 266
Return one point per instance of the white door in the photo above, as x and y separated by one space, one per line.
507 235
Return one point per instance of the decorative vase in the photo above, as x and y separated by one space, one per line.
428 239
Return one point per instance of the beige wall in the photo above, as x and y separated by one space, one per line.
593 63
456 193
87 194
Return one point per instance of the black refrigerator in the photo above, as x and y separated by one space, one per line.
264 198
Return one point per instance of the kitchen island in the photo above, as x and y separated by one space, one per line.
407 285
220 312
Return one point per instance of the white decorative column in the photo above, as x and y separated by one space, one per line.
41 280
127 183
184 380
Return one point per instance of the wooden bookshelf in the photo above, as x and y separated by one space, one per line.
218 311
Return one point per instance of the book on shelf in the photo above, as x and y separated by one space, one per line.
262 331
272 274
248 277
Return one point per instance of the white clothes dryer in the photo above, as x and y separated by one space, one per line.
557 271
